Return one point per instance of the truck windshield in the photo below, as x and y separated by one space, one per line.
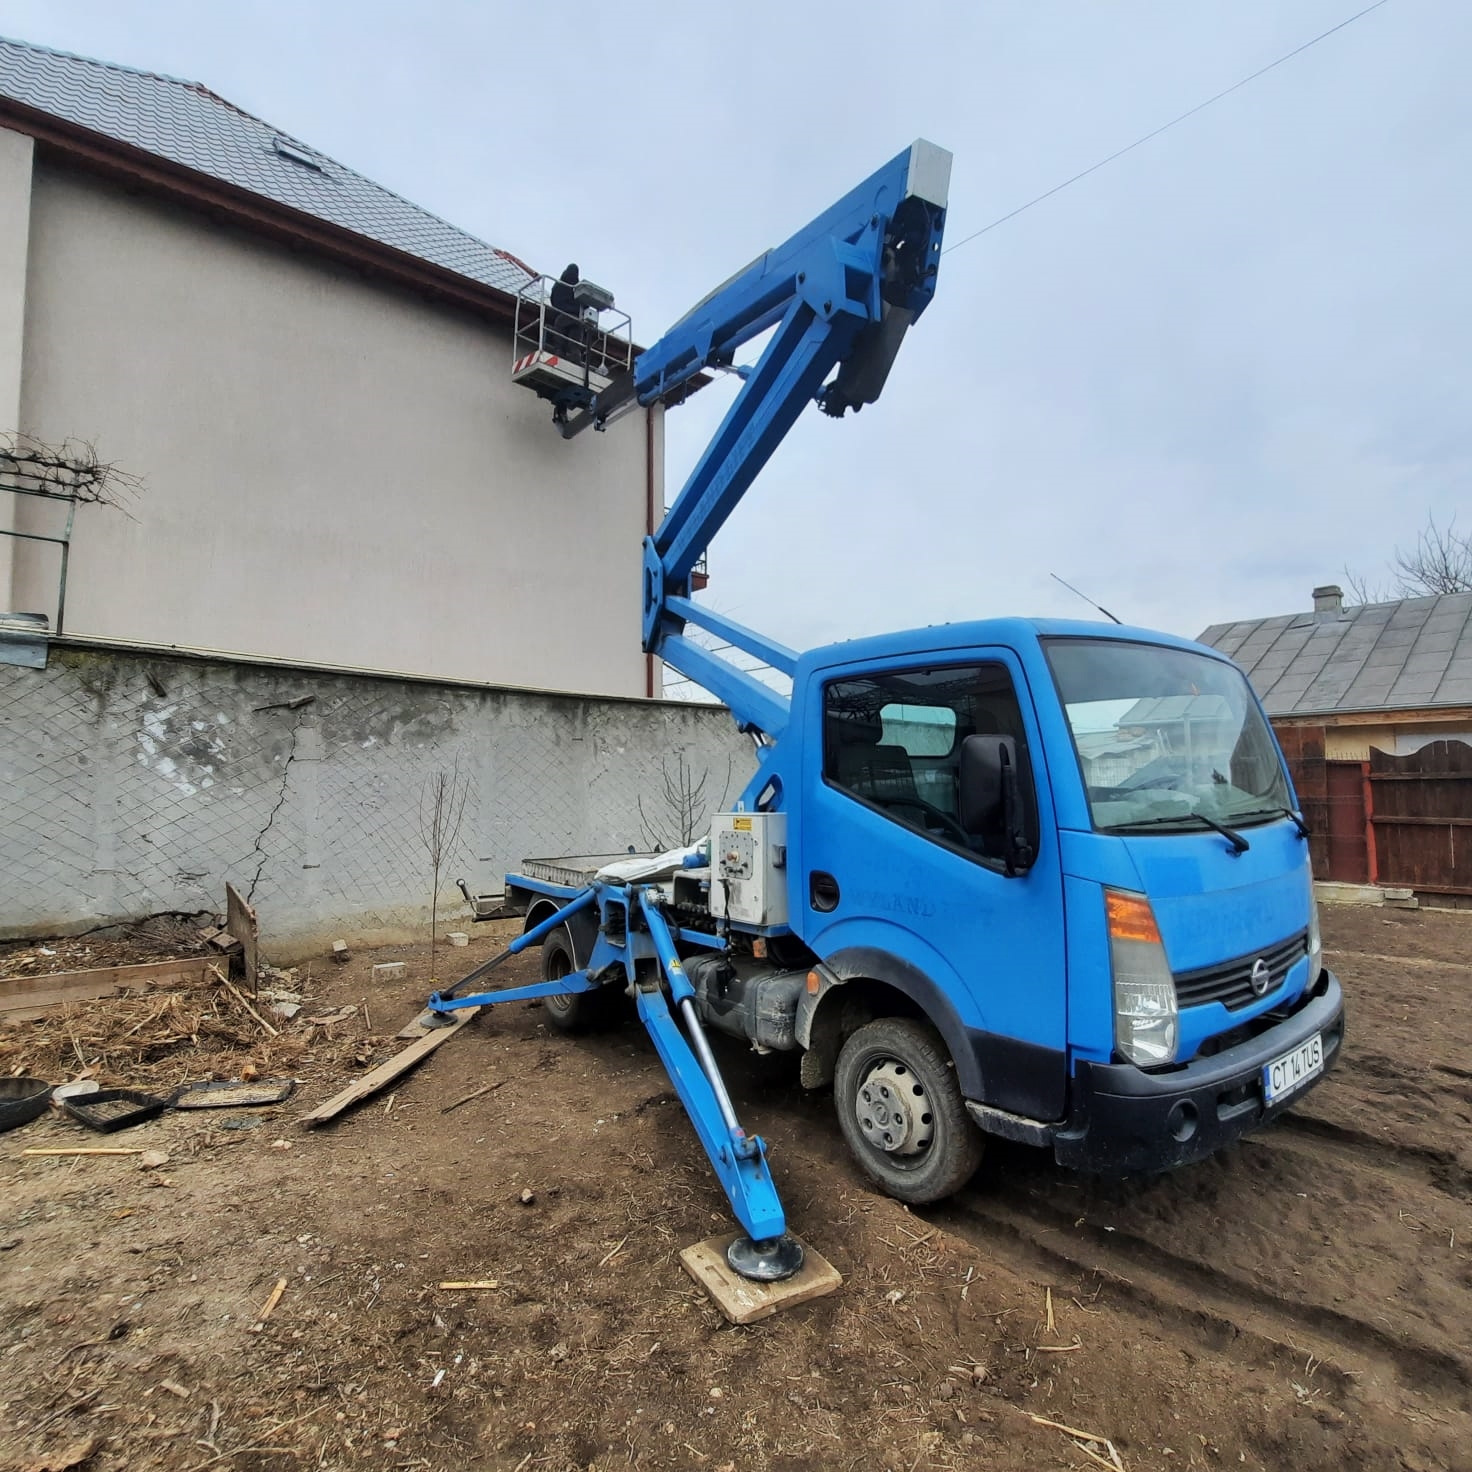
1166 734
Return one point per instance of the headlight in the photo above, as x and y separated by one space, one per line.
1145 1029
1315 941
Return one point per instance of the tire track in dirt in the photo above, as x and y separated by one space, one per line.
1307 1135
1154 1299
1197 1296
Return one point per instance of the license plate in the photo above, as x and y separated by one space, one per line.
1293 1070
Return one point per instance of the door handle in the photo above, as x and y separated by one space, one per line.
823 891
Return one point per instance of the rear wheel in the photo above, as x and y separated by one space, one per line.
902 1113
573 1011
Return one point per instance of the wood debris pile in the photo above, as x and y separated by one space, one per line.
161 938
162 1039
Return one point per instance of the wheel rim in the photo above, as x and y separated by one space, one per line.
558 965
893 1110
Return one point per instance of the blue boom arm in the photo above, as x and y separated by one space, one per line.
838 298
840 294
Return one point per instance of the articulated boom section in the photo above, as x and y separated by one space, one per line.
838 298
840 294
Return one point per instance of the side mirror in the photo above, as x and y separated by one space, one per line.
989 797
981 779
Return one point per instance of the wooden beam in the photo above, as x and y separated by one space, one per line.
26 997
385 1073
1446 715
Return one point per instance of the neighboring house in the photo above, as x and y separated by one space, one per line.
311 378
1373 708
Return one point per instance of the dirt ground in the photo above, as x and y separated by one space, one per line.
1303 1301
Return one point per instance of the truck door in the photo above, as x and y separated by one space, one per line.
884 869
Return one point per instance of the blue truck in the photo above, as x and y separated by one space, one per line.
1042 880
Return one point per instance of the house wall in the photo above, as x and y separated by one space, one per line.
16 153
334 470
140 783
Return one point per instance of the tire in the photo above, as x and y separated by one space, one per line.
902 1113
577 1011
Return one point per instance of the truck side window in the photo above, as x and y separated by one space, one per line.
894 742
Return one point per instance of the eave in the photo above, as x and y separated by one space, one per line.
64 142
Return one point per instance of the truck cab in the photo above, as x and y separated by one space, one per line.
1074 855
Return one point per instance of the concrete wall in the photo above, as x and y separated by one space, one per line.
335 471
15 228
135 784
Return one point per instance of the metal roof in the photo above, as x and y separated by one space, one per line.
187 124
1411 654
1174 710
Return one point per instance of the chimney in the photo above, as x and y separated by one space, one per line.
1329 599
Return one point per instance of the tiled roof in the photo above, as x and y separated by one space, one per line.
189 125
1380 656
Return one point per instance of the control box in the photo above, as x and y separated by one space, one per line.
748 868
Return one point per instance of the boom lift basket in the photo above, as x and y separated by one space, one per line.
568 357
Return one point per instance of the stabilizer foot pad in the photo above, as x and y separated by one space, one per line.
742 1301
427 1021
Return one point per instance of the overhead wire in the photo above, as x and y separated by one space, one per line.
1164 127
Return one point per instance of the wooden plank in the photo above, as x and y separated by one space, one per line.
1387 820
91 1150
1380 777
385 1073
742 1301
240 921
33 996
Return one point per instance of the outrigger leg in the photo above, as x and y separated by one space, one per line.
445 1002
768 1252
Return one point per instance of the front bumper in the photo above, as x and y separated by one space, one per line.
1122 1120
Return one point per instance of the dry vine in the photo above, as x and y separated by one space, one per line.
69 471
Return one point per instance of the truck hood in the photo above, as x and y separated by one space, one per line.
1213 906
1210 904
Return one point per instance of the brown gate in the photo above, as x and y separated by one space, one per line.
1422 817
1349 860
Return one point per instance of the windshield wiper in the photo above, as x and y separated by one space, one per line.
1239 844
1295 818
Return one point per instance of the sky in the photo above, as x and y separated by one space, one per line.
1196 384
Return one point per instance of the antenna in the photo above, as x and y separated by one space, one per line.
1085 597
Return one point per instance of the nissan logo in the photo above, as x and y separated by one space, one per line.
1260 977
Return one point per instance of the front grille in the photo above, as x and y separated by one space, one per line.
1230 983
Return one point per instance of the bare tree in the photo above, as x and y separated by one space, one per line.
441 811
1440 561
1363 591
681 810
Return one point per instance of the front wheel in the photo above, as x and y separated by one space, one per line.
902 1113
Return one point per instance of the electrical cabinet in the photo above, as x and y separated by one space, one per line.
748 868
